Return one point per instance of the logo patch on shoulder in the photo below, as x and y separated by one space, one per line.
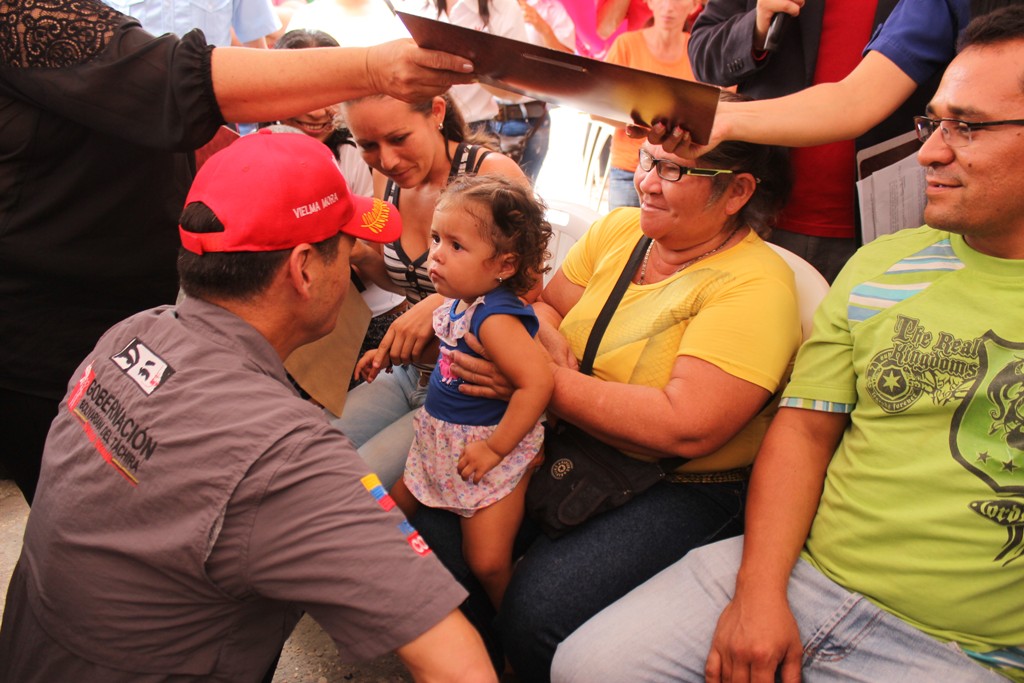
414 538
145 368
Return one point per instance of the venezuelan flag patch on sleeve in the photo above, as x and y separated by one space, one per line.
372 484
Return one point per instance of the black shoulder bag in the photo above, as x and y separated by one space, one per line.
582 476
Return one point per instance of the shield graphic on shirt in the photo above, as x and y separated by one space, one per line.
987 437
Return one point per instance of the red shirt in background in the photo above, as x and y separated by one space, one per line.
823 197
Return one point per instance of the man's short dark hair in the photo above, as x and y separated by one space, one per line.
237 275
991 26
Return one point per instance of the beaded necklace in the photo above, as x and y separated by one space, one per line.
647 256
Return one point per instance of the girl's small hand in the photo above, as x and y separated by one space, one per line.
366 370
477 460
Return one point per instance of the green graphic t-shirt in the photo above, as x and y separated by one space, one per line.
921 340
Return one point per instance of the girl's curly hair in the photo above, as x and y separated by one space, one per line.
516 223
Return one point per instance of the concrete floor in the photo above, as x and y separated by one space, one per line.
13 513
309 656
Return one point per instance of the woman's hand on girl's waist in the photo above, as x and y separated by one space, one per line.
480 376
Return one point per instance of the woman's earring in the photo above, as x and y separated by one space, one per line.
500 279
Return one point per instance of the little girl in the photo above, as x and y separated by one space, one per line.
470 454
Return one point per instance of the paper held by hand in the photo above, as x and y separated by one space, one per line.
610 91
891 190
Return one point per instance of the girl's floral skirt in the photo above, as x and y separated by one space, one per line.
431 472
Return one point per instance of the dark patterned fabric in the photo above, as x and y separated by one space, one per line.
98 120
51 34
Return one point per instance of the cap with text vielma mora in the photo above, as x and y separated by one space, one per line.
276 191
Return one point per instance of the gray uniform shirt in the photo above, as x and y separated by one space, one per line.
191 505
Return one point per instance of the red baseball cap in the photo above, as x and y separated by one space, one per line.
274 191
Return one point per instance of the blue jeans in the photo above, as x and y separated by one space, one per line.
662 631
621 190
536 148
378 419
559 584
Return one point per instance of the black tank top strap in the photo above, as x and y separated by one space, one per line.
391 191
477 154
467 159
459 159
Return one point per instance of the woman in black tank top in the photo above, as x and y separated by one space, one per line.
414 151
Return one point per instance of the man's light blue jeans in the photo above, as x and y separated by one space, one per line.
662 631
378 419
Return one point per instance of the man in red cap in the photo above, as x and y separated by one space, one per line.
191 505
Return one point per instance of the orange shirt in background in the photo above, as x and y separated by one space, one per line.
630 49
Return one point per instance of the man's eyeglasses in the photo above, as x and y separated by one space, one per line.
955 133
671 171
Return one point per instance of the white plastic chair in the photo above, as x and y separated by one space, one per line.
597 160
811 287
568 223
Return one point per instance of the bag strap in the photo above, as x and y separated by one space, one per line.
667 465
356 280
605 316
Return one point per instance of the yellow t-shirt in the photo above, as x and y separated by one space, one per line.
630 49
735 309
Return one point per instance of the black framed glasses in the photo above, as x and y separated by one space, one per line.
955 133
671 171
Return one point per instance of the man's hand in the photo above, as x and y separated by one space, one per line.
477 460
407 72
755 637
480 376
766 9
